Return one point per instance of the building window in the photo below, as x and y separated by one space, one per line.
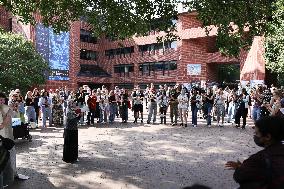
88 54
172 65
87 70
148 67
123 70
157 46
86 36
119 52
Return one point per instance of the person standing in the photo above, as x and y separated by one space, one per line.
57 109
242 108
183 107
45 104
117 96
257 97
30 110
173 95
124 105
36 97
137 97
21 105
70 148
193 104
208 100
231 107
152 105
112 106
6 131
220 107
91 102
80 101
163 102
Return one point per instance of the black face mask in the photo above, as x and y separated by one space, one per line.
257 141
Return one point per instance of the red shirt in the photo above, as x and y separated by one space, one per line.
92 102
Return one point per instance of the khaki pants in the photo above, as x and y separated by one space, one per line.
174 112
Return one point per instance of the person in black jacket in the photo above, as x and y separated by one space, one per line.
70 148
264 169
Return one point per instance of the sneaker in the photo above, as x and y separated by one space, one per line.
185 125
221 125
148 122
141 121
208 125
181 124
194 125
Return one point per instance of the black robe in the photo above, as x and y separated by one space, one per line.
70 149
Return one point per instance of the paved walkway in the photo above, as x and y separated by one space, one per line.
128 156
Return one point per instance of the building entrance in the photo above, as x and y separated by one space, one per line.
228 73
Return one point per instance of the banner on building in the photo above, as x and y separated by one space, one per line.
194 69
253 83
54 48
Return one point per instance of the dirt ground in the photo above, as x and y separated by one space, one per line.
134 156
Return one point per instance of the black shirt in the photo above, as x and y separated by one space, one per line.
29 102
207 100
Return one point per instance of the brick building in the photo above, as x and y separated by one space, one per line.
141 60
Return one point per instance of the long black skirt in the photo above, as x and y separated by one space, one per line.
70 149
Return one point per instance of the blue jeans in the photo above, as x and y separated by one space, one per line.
208 109
194 111
46 112
112 112
31 114
255 113
152 111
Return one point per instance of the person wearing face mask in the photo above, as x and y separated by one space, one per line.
264 169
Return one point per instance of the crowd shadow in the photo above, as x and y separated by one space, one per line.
36 180
170 157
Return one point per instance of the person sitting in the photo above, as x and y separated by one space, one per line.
264 169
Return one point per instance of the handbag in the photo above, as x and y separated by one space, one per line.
7 144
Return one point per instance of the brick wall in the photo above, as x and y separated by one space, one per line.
194 48
4 19
189 20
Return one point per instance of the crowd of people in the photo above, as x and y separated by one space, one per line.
87 106
209 103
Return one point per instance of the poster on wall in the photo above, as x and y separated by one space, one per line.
253 83
194 69
54 48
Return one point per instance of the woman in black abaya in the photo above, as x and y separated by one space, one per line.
70 149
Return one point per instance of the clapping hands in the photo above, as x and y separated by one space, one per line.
232 165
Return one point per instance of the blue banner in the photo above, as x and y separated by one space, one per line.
54 48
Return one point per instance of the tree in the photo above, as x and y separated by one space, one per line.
238 21
121 18
274 42
20 65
